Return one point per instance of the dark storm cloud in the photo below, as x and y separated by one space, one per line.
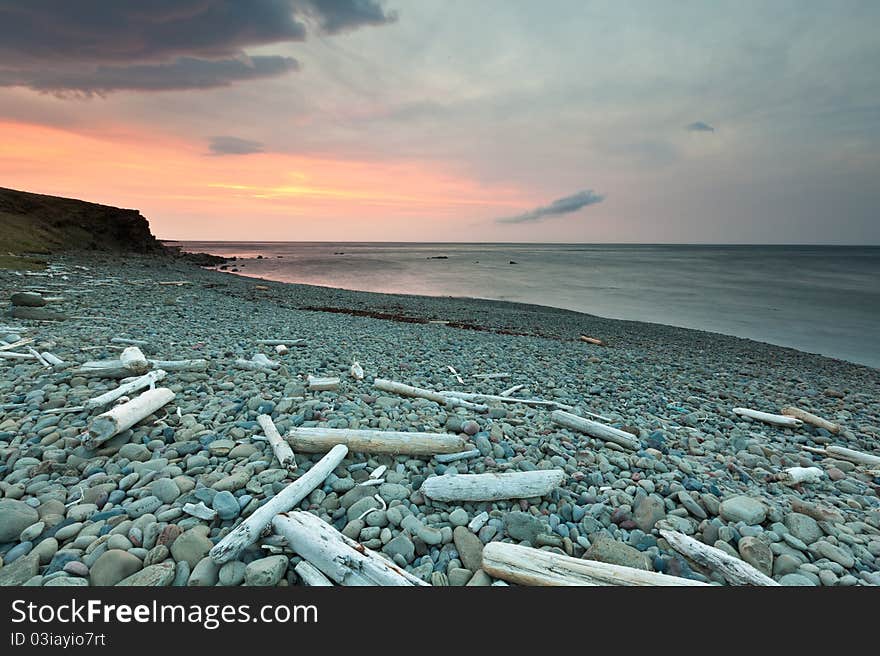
699 126
560 206
98 46
183 73
223 145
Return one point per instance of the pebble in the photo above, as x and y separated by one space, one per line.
113 566
17 516
226 505
266 571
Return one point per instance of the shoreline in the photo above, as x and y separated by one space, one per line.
672 389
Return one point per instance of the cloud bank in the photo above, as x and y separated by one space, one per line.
699 126
100 46
559 206
225 145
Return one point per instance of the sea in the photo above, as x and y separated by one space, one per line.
819 299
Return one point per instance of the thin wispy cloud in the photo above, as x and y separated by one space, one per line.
558 207
225 145
699 126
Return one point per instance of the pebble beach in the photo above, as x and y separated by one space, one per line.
145 507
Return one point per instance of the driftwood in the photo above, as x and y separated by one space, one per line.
133 359
285 342
527 566
595 429
318 440
456 374
511 390
810 418
52 359
492 487
491 376
356 371
341 559
180 365
734 570
452 457
39 357
132 342
8 347
322 384
246 533
125 416
767 418
311 575
798 475
431 395
11 355
853 456
592 340
471 396
147 380
281 448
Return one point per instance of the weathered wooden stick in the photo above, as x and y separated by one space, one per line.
281 448
263 360
591 340
39 357
250 365
10 355
853 456
125 416
528 566
491 376
437 397
595 429
767 418
511 390
322 384
52 359
341 559
317 440
311 575
734 570
511 399
492 487
455 373
147 380
285 342
452 457
21 342
810 418
246 533
132 342
180 365
133 359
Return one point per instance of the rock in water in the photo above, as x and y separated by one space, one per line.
606 549
15 517
469 548
743 509
113 566
266 571
28 299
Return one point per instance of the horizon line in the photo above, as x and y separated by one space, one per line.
547 243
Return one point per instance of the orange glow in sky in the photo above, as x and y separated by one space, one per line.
188 194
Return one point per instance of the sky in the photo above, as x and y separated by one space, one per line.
452 120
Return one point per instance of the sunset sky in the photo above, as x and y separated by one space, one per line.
444 120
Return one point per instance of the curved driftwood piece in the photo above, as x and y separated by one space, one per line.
767 418
281 448
125 416
734 570
810 418
528 566
853 456
341 559
491 487
311 575
317 384
318 440
438 397
595 429
147 380
246 533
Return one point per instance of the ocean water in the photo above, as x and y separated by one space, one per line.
819 299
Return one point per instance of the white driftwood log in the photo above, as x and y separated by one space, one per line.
133 359
511 390
853 456
797 475
491 487
528 566
591 340
281 448
472 396
734 570
595 429
264 361
52 359
452 457
311 575
341 559
246 533
438 397
132 342
147 380
317 440
39 357
810 418
767 418
322 384
356 371
180 365
124 416
14 345
11 355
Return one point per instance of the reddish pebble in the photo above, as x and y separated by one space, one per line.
835 474
76 568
